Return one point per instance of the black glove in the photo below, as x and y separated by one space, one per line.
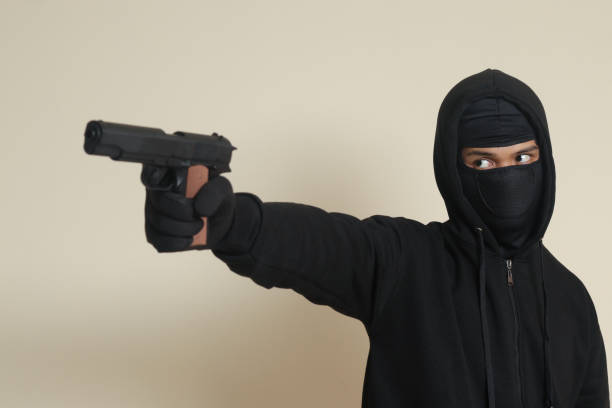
233 220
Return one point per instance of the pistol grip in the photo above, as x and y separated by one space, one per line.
197 176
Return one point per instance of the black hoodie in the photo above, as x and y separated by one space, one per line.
451 322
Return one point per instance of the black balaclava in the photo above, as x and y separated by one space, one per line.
505 198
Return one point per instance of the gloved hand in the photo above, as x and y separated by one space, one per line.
171 219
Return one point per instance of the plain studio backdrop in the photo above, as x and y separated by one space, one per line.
329 103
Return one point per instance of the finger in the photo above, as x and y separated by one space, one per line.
219 225
172 226
211 195
165 243
172 204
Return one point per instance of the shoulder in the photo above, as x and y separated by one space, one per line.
567 285
408 230
405 240
558 272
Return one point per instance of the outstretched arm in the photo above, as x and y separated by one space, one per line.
330 258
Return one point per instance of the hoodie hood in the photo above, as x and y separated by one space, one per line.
463 218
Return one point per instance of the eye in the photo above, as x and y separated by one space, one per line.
483 163
522 158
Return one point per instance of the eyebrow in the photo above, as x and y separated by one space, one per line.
484 153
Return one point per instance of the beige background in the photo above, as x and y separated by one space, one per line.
330 103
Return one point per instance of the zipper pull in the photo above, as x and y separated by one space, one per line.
509 269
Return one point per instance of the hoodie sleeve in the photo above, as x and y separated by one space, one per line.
594 392
330 258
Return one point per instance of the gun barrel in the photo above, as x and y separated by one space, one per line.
153 146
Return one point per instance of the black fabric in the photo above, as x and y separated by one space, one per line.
493 122
451 321
507 200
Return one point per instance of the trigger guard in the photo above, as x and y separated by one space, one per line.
161 178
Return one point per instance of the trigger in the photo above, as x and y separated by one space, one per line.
164 178
156 177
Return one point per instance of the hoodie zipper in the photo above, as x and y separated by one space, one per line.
510 284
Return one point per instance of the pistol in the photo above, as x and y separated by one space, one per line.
181 162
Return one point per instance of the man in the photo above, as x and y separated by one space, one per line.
471 312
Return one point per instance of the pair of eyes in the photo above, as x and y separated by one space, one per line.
484 163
